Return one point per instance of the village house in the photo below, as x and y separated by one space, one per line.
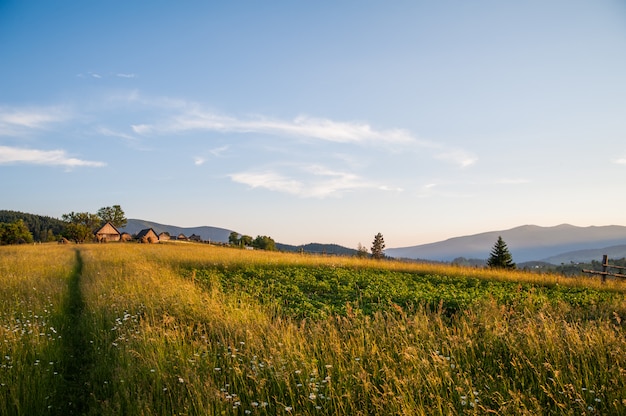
164 236
147 236
195 237
107 233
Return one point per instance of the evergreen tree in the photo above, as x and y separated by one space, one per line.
378 247
500 257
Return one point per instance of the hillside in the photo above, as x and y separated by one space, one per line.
526 243
213 234
586 256
317 248
41 227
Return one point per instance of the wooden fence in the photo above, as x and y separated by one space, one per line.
606 269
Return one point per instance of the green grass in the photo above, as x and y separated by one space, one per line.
195 329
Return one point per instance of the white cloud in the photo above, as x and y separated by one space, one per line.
15 121
302 126
190 117
219 151
620 161
458 157
43 157
268 180
315 181
122 75
112 133
198 161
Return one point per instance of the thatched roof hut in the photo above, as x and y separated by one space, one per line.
147 236
107 233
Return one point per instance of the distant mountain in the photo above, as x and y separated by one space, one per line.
213 234
316 248
586 256
526 243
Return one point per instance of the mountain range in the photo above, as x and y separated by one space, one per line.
559 244
213 234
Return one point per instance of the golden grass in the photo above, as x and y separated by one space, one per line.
162 344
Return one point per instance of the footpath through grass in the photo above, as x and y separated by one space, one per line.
195 330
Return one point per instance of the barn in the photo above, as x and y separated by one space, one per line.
107 233
147 236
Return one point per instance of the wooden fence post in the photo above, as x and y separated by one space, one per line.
605 267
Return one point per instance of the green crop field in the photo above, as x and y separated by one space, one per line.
186 329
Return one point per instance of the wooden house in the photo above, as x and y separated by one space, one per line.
107 233
147 236
182 237
194 237
164 236
126 237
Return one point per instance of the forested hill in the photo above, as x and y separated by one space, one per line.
41 227
316 248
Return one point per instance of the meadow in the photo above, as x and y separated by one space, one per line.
191 329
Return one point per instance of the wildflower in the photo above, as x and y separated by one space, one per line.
312 396
181 380
217 369
288 409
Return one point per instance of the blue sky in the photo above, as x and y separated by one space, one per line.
317 121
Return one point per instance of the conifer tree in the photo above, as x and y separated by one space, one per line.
378 246
500 257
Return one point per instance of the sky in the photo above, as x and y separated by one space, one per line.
319 121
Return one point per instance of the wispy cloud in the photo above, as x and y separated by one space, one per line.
123 75
180 116
16 121
620 161
16 155
302 127
219 151
105 131
198 161
311 181
458 157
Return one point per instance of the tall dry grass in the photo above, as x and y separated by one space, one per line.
33 288
157 342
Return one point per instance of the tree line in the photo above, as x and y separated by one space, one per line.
20 228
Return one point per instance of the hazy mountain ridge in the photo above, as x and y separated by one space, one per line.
207 233
526 243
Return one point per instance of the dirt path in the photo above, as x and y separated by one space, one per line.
74 392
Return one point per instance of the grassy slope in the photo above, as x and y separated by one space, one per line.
179 329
